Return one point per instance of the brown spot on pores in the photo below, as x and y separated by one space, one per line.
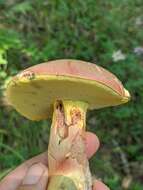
27 74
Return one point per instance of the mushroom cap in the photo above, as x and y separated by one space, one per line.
33 91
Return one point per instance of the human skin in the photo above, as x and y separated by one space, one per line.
33 174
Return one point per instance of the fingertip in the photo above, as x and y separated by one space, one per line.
92 144
98 185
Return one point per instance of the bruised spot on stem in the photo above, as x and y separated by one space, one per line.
59 105
62 128
62 125
75 116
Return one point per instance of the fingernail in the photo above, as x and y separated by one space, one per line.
34 174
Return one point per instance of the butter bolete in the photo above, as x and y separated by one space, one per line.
65 90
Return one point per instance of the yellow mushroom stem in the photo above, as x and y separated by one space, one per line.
67 160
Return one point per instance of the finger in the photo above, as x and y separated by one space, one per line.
92 144
14 179
8 183
36 178
43 158
98 185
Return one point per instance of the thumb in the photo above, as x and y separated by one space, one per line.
36 178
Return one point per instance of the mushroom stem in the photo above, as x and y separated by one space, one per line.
68 164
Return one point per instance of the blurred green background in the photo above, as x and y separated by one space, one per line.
109 33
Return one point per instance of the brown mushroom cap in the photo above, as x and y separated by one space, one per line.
33 91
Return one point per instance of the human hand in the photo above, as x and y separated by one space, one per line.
33 174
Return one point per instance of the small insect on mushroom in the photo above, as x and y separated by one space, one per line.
65 90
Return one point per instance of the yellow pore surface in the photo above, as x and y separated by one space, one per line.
34 98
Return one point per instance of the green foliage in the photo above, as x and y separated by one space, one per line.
36 31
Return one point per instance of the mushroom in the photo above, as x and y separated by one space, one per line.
65 90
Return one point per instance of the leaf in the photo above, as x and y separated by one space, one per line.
2 131
22 7
3 60
9 39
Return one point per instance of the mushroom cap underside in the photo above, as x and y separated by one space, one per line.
33 91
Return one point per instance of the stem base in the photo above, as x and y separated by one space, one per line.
60 182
